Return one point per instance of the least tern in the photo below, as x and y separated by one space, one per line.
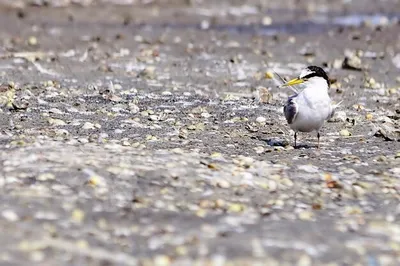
307 110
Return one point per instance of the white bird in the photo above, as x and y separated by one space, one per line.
307 110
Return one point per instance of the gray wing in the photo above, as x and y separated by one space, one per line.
290 110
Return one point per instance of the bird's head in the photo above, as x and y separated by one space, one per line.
310 74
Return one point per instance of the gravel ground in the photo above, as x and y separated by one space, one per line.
152 133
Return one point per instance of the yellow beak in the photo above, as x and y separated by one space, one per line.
293 82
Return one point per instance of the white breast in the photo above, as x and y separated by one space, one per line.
314 106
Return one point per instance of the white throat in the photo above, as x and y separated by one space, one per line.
316 83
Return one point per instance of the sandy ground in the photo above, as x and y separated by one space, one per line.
134 134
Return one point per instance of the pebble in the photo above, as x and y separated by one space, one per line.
153 117
88 125
223 184
272 185
308 168
396 61
10 215
37 256
133 108
46 177
269 75
241 75
236 207
55 111
259 149
304 260
261 119
266 20
32 41
77 216
162 260
352 62
340 116
61 132
56 122
369 116
205 25
263 95
344 133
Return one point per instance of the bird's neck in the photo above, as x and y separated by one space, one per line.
316 85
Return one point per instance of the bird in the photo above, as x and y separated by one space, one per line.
307 110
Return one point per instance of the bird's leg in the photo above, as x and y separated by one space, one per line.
295 139
318 136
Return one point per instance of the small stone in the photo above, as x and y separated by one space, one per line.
77 216
386 131
83 140
308 168
126 143
162 260
305 215
133 108
396 60
241 75
272 185
32 40
205 25
259 149
138 38
201 213
304 260
46 177
55 111
223 184
56 122
345 133
261 119
352 62
10 215
358 190
287 182
88 126
61 132
340 116
263 95
236 207
220 203
269 75
369 116
148 72
337 63
266 20
97 181
181 250
351 210
37 256
153 117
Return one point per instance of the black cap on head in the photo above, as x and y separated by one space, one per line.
316 71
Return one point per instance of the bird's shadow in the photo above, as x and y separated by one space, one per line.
305 146
274 142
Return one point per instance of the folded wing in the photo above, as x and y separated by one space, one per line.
290 110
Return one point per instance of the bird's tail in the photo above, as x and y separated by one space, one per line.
334 106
